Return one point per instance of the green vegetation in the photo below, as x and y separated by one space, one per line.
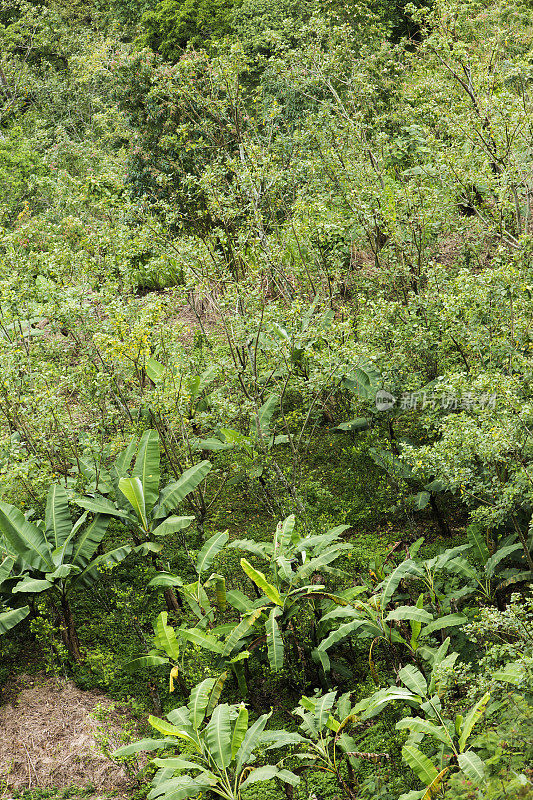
266 295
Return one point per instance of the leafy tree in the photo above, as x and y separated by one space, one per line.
171 25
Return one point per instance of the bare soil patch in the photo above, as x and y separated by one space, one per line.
48 738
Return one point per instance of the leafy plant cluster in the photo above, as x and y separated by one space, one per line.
271 260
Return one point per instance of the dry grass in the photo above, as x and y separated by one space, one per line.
48 738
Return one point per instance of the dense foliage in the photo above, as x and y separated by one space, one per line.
266 403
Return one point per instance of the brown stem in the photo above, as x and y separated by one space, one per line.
172 601
70 636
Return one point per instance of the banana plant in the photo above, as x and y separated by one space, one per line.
194 593
293 559
139 503
167 647
166 651
9 617
401 629
325 743
448 737
225 642
485 575
221 749
430 572
260 437
381 618
56 555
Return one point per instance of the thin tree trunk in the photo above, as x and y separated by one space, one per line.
70 637
443 525
172 601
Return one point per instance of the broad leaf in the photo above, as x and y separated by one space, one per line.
500 555
421 500
251 740
407 568
141 746
261 549
357 424
101 505
176 763
211 444
471 718
448 621
88 540
240 630
512 673
24 538
5 568
323 707
413 679
267 773
165 636
123 461
420 725
409 613
146 468
8 619
217 736
195 636
342 632
239 730
472 766
198 700
362 380
168 729
435 785
210 550
420 764
154 369
57 517
175 492
91 573
216 691
132 489
145 661
172 525
321 657
259 579
261 420
478 542
274 640
63 571
165 579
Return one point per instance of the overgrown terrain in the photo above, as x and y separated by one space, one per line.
266 399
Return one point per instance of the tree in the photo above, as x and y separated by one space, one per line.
173 24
